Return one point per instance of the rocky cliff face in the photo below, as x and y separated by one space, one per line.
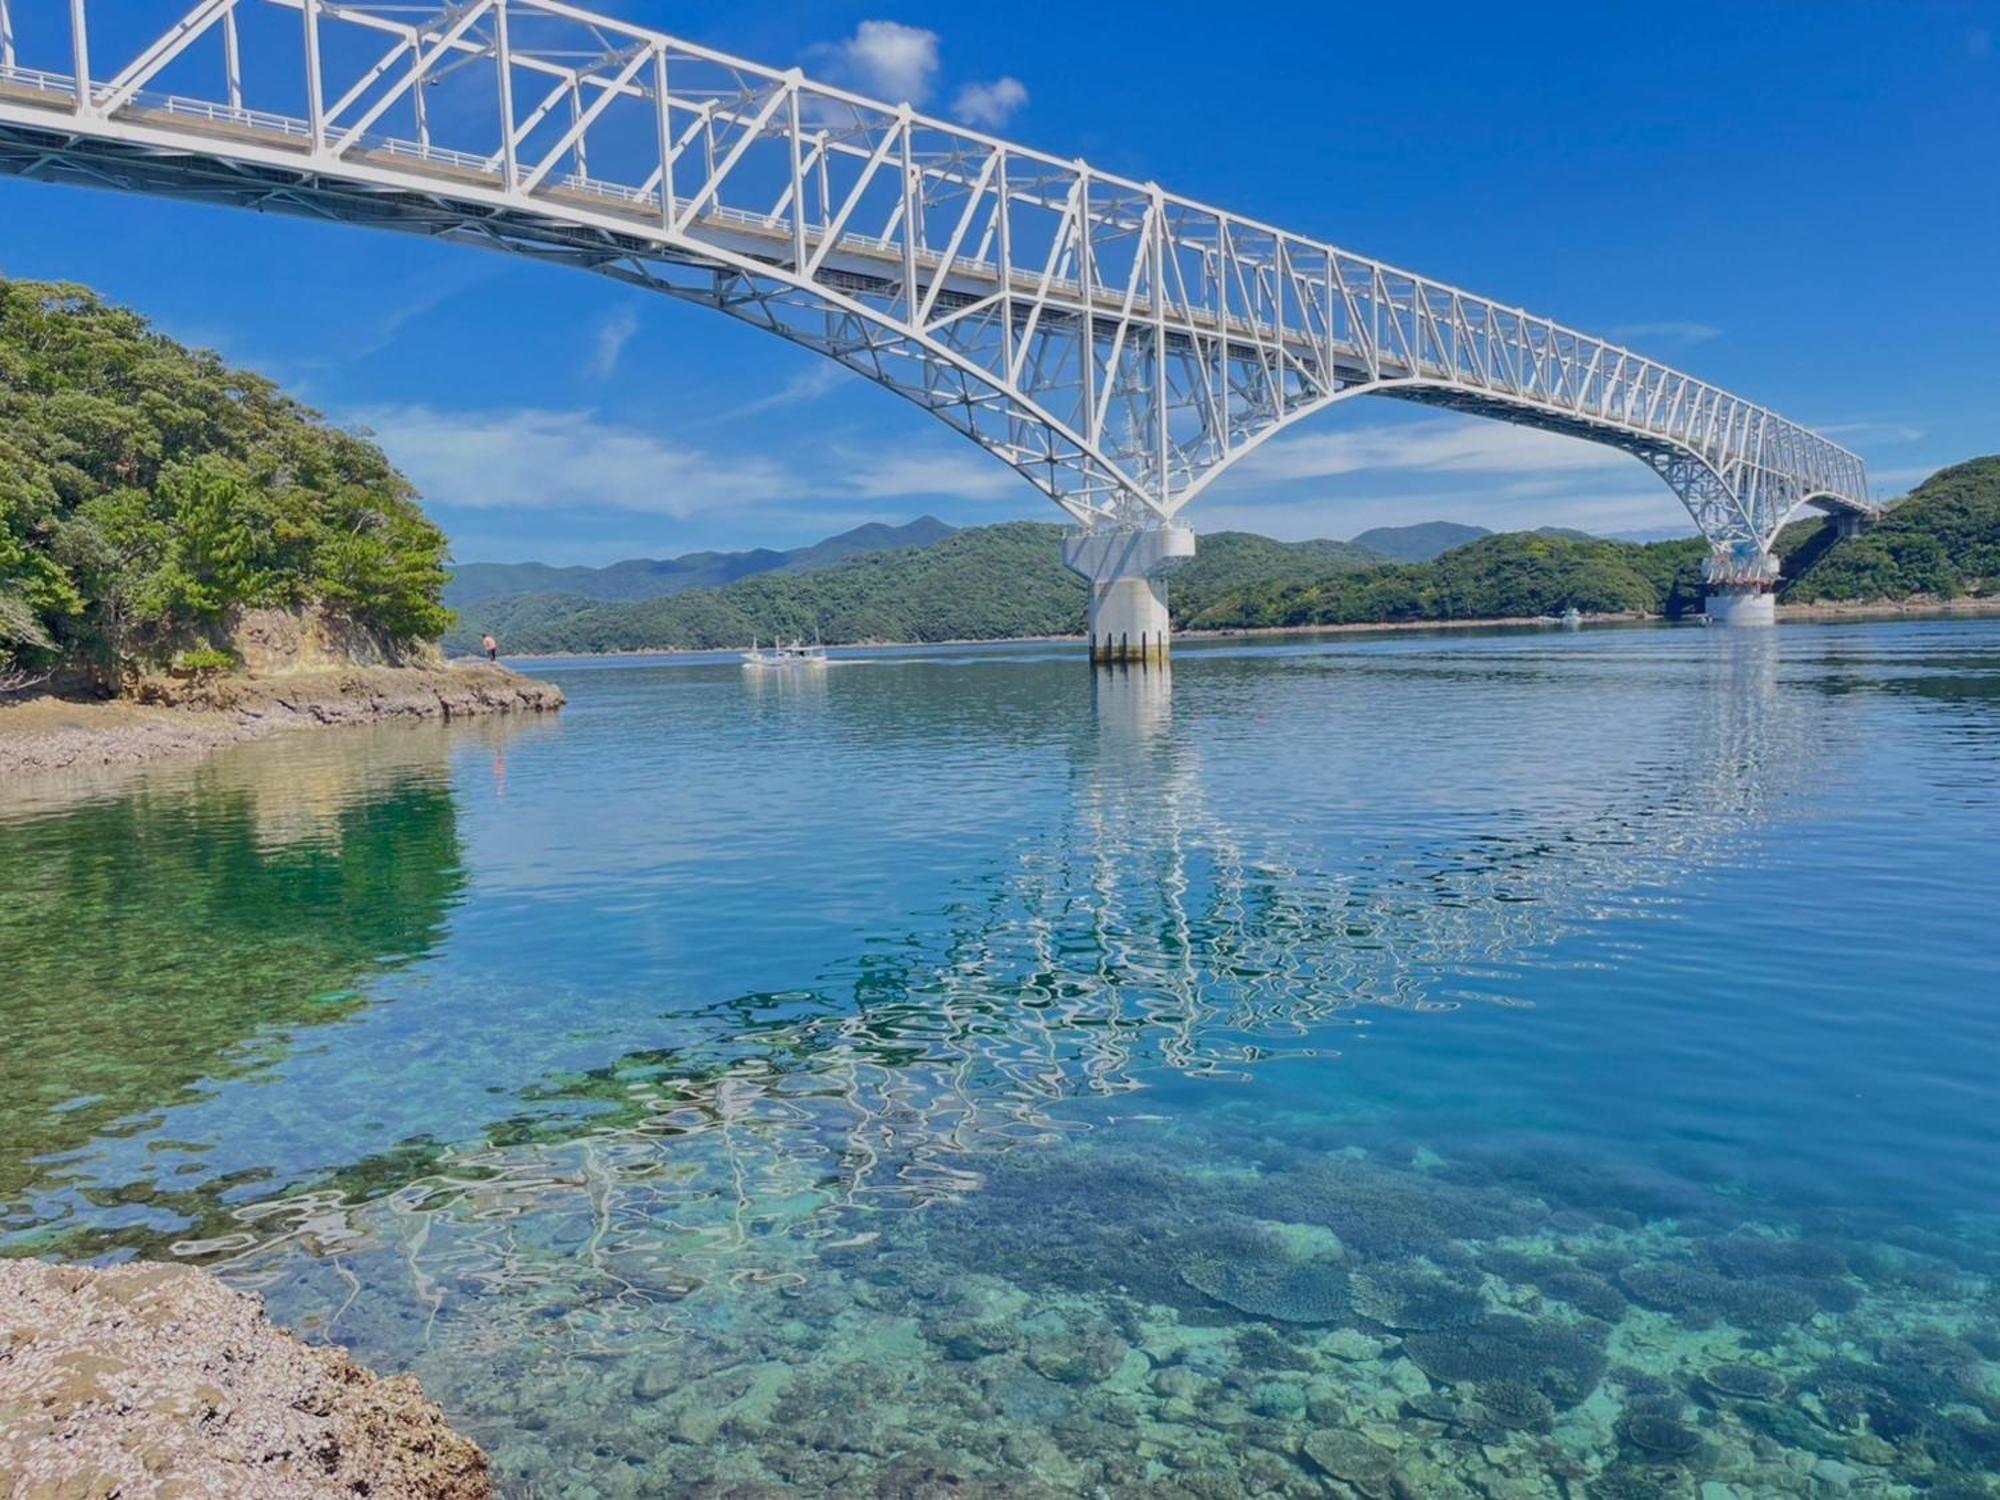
275 642
150 1381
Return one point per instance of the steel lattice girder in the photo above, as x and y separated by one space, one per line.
1118 345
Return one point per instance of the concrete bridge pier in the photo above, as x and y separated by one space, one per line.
1741 587
1126 567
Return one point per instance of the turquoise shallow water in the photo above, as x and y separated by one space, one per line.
1480 1065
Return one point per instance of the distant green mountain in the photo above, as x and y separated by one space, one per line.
1429 540
992 582
1418 543
652 578
983 583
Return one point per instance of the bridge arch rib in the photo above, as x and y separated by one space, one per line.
1120 346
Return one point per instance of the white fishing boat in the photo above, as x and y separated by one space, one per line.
778 654
1572 618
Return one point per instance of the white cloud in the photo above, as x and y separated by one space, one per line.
1669 332
819 379
1449 444
612 337
990 105
553 460
888 60
958 473
571 460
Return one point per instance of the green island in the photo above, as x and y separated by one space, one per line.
190 558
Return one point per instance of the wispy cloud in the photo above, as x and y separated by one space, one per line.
990 105
533 459
886 59
613 334
553 460
958 473
1870 429
1437 468
818 380
1669 331
1449 444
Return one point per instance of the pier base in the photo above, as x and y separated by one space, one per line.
1740 607
1128 592
1742 586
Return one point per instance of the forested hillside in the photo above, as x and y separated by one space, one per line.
148 491
998 581
1509 575
1943 542
1420 542
985 583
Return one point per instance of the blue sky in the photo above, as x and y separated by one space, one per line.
1797 201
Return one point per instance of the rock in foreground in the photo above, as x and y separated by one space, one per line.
165 717
150 1381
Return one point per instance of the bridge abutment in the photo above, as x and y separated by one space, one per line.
1126 567
1741 587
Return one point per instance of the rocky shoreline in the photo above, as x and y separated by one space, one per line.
157 1380
167 717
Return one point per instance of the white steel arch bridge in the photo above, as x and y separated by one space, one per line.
1118 345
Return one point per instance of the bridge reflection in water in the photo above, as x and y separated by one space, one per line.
1144 940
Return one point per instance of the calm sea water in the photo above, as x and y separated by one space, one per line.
1537 1064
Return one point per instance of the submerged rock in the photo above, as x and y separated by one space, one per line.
1515 1404
150 1380
1285 1291
1350 1457
977 1316
1658 1432
1074 1351
1412 1300
1638 1482
1744 1381
1556 1361
1378 1211
1750 1256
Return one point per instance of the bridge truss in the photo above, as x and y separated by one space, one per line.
1118 345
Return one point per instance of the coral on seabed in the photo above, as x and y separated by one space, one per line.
1338 1323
